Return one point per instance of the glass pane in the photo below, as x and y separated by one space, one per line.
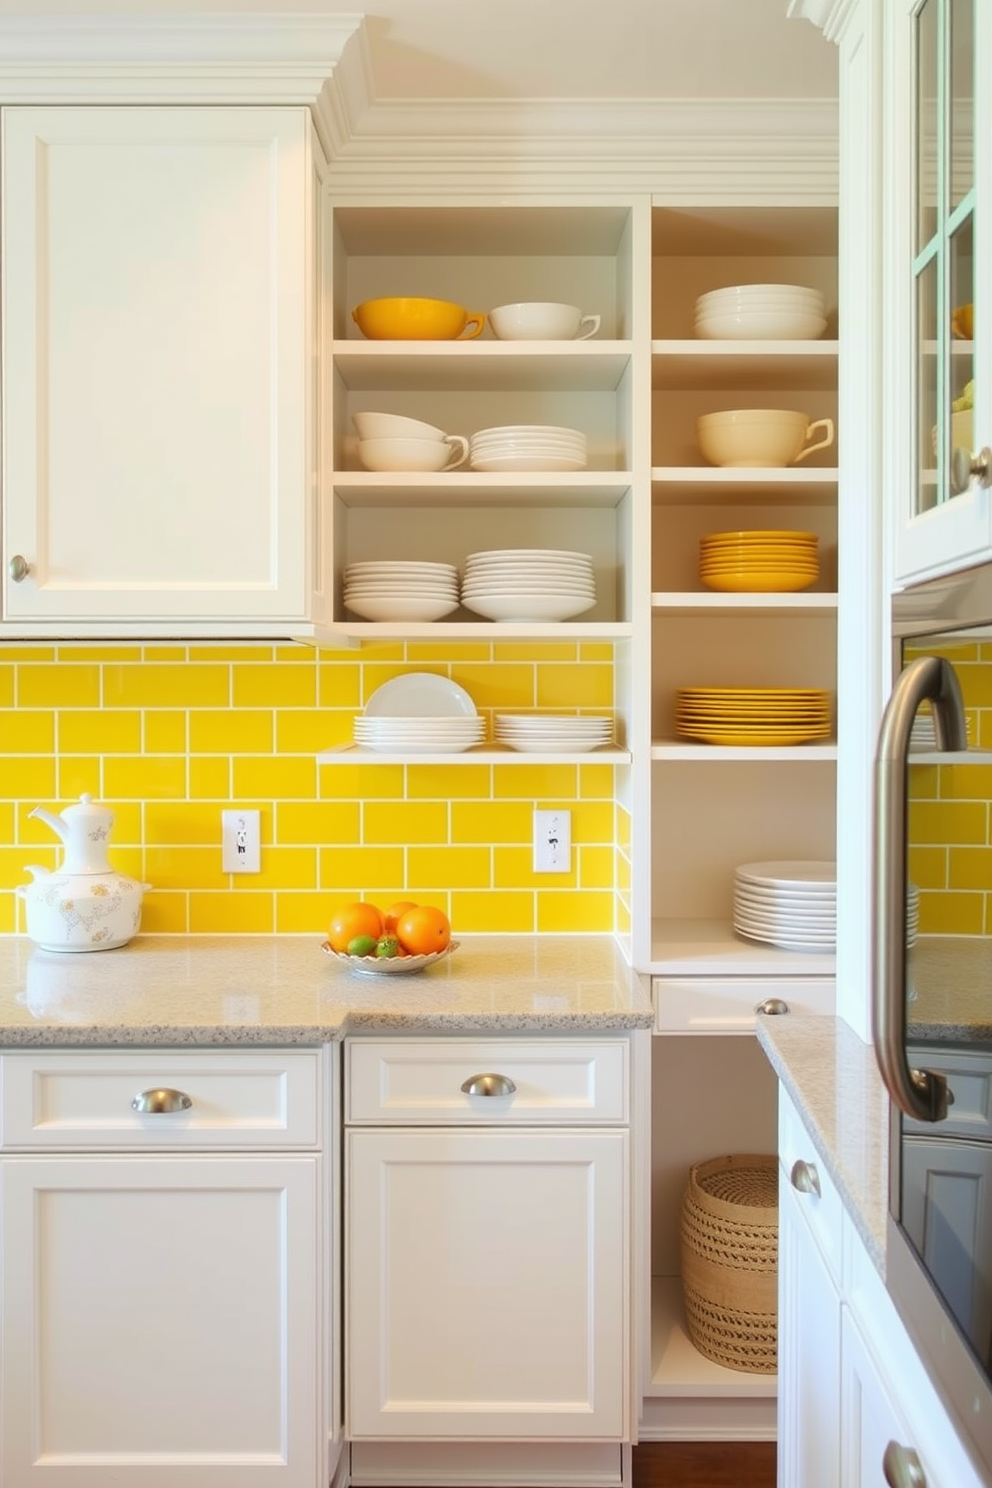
962 352
961 102
927 179
928 438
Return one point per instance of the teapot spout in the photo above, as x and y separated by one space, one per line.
35 873
51 820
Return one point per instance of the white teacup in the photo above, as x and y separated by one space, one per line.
542 320
413 454
393 426
753 437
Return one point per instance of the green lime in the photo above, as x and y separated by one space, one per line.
387 947
362 945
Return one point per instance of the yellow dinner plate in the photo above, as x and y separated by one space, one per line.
759 583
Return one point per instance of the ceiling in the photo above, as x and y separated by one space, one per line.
553 49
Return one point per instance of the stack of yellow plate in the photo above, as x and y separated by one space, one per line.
752 715
759 561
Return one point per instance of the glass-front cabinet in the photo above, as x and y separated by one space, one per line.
937 393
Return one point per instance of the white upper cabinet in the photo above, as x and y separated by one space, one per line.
937 394
159 321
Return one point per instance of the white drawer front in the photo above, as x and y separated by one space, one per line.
420 1080
824 1210
83 1100
729 1004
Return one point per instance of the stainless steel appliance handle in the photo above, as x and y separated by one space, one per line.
919 1093
902 1468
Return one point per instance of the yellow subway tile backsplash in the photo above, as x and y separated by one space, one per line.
171 734
952 914
970 868
948 821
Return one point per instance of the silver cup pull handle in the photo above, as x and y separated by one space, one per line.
902 1468
161 1102
772 1007
488 1085
804 1177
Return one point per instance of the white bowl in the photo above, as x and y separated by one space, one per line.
393 426
761 325
756 437
745 293
529 607
542 320
399 607
413 454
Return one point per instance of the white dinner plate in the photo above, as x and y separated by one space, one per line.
420 695
798 873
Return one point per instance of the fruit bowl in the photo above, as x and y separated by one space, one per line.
389 965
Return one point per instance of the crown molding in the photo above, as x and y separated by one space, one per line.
828 16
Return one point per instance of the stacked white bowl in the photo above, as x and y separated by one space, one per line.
385 589
543 733
528 584
392 442
528 447
761 312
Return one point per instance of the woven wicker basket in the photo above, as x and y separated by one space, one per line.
729 1242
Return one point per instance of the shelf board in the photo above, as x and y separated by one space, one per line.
485 754
704 947
685 749
554 488
709 366
678 1369
481 366
486 630
677 485
706 601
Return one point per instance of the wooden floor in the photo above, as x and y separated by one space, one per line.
704 1465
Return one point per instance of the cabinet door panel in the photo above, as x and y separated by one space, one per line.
808 1354
155 315
160 1322
486 1284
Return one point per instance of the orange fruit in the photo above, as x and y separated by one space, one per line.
394 913
423 930
351 920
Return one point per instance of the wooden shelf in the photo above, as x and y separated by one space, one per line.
705 947
481 366
675 485
592 488
710 366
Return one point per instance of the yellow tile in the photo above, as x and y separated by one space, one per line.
491 821
965 782
538 783
583 686
318 822
361 782
6 822
286 868
445 651
970 868
623 822
340 685
597 782
249 913
78 773
165 731
27 653
302 913
493 913
27 732
952 914
404 821
508 686
302 652
167 685
976 685
927 867
130 860
305 730
948 821
144 779
6 686
514 866
561 912
55 685
181 823
596 651
923 782
129 825
8 914
274 686
443 782
596 867
361 870
102 653
28 779
592 821
270 778
535 651
237 651
336 728
14 861
230 731
439 867
164 914
185 868
210 779
983 733
167 651
106 731
622 874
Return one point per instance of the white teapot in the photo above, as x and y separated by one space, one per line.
84 905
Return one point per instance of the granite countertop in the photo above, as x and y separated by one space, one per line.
254 990
833 1080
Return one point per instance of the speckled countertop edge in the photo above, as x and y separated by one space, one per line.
833 1080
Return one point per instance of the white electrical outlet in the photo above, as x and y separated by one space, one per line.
552 841
241 846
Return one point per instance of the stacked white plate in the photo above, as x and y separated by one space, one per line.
912 913
791 904
923 734
528 447
387 590
420 713
542 733
528 584
763 312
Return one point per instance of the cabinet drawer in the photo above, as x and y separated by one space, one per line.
969 1081
555 1080
824 1210
729 1004
84 1099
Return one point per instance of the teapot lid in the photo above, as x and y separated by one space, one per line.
86 810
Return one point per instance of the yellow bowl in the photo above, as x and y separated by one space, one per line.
410 319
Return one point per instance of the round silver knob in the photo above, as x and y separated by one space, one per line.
488 1085
902 1468
772 1007
161 1102
966 467
18 568
804 1177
